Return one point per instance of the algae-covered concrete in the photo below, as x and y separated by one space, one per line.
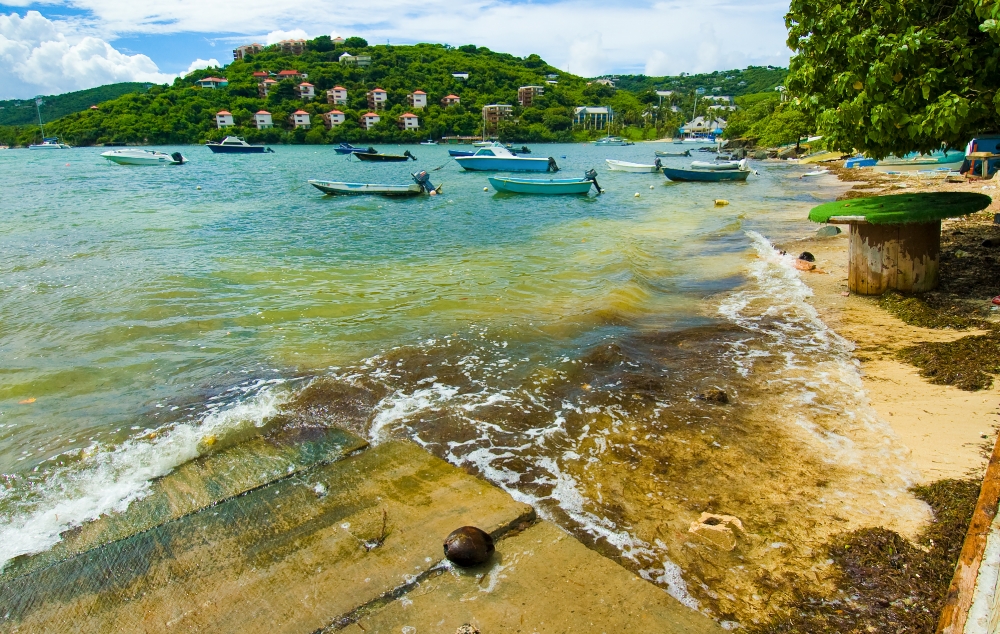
541 580
219 474
292 556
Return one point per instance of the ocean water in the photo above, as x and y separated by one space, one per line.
556 346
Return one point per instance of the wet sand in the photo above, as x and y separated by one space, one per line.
948 430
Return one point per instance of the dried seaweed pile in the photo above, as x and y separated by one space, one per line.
887 585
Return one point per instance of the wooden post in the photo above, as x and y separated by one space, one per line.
902 257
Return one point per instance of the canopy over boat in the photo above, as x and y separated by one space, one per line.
546 186
625 166
498 158
136 156
422 183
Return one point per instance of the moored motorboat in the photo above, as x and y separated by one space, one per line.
548 186
428 142
347 148
236 145
421 184
625 166
390 158
725 165
50 143
498 158
707 176
662 153
613 140
916 161
136 156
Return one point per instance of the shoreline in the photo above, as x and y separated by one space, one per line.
949 432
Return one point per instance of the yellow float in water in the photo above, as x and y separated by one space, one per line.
721 202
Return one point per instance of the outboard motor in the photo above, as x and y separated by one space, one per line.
268 151
552 165
657 163
591 175
407 153
524 150
178 157
424 180
371 150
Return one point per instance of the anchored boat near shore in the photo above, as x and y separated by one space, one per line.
135 156
422 183
625 166
497 158
547 186
236 145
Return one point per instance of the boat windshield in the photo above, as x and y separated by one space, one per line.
485 153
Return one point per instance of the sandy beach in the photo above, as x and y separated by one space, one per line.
949 431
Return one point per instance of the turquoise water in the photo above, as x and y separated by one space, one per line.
148 312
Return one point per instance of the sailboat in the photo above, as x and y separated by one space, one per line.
48 143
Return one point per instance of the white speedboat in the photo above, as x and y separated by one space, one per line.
625 166
482 144
428 142
51 143
498 158
136 156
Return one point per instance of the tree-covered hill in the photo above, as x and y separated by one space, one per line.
735 83
185 112
22 111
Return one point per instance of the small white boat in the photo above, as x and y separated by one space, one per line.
625 166
51 143
496 157
428 142
612 140
136 156
665 153
482 144
715 167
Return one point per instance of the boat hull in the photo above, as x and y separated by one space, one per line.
552 186
460 153
236 149
49 146
502 164
705 176
366 189
917 165
381 158
625 166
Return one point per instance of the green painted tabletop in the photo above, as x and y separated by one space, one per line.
904 208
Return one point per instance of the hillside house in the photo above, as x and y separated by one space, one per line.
450 100
212 82
262 119
526 95
305 91
494 113
300 119
332 118
369 120
242 52
338 41
291 74
703 126
417 99
355 60
462 76
292 47
377 99
336 95
408 121
264 88
261 75
593 117
224 119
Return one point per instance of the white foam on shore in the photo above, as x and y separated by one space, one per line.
108 479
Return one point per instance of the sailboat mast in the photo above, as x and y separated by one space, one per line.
38 107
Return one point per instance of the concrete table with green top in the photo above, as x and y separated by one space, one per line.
895 241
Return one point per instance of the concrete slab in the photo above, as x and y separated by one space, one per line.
291 556
207 480
541 580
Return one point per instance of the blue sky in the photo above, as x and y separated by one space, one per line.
60 46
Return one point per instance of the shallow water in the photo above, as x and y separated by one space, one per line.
555 345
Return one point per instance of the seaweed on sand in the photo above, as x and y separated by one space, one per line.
968 363
916 311
886 584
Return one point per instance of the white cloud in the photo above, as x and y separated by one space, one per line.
203 63
657 64
37 58
276 36
587 56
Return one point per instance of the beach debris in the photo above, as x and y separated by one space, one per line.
828 231
467 628
468 546
720 202
995 300
808 257
961 254
805 261
989 243
717 530
26 401
845 293
715 395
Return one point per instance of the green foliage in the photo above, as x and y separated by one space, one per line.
891 78
772 123
753 79
22 111
356 42
323 44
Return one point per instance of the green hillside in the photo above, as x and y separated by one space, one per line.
754 79
185 113
22 111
